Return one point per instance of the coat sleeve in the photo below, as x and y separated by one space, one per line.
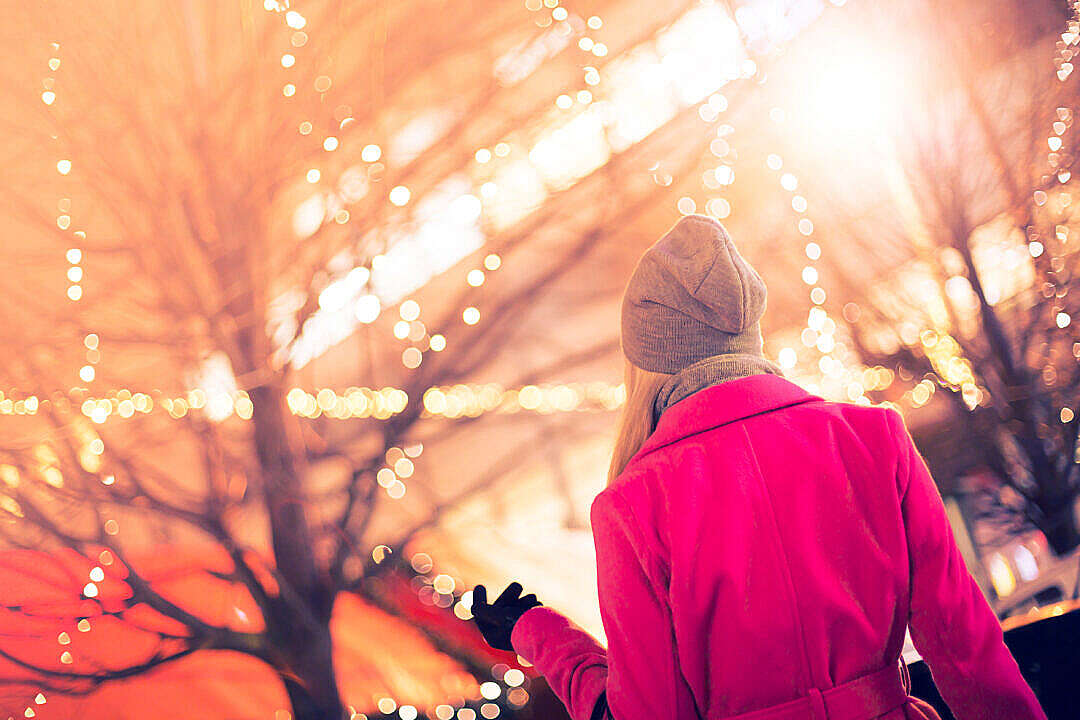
951 623
638 675
572 662
644 677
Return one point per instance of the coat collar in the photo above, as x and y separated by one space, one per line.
721 404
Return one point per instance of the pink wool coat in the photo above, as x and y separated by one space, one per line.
761 552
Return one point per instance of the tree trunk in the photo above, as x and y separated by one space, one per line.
1061 531
310 680
298 623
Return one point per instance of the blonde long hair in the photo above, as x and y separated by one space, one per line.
636 423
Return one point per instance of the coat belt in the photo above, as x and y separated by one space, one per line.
863 698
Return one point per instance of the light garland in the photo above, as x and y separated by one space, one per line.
1066 51
820 329
449 401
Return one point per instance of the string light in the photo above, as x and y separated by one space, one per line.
1052 261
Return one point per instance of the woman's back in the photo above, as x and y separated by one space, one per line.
784 539
780 528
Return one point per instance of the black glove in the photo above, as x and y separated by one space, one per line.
496 621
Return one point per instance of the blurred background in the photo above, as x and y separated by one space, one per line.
310 317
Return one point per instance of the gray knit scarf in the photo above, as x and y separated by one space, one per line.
705 373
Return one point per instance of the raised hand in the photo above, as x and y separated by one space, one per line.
496 620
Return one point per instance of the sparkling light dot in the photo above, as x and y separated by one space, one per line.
813 251
288 60
330 144
288 90
411 358
295 20
438 343
371 153
718 207
421 562
563 102
305 128
48 97
400 195
385 477
810 275
90 590
595 22
75 274
97 574
774 162
74 292
63 167
444 584
492 262
409 310
471 316
367 308
788 181
490 690
483 155
475 277
313 175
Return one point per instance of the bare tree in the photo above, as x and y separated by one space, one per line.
979 247
159 158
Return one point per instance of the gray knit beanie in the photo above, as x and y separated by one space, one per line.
690 297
